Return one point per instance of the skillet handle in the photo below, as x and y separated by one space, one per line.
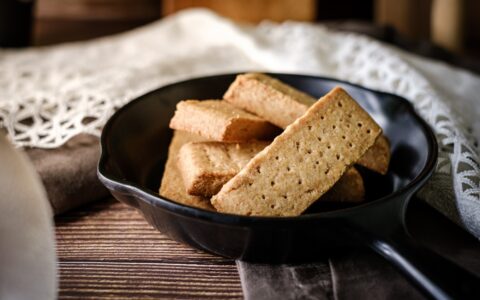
436 276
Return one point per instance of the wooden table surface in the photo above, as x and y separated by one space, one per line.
106 250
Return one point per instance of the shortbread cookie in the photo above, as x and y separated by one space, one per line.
268 98
207 166
172 186
377 158
349 188
282 104
220 121
302 163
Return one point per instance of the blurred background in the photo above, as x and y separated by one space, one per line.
446 28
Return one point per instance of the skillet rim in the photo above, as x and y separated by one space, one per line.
116 184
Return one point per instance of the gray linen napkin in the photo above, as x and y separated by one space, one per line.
307 281
353 275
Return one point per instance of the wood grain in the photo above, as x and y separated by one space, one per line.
250 10
108 251
97 9
410 17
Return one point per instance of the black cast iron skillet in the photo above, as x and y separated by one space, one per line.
134 149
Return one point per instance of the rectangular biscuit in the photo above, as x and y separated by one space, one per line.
220 121
282 104
377 158
207 166
172 186
349 188
269 98
302 163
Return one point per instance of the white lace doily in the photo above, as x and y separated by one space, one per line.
48 95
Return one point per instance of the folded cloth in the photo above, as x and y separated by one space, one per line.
69 172
45 103
358 275
308 281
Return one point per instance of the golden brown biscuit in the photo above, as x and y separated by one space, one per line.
268 98
220 121
207 166
349 188
282 104
172 186
302 163
377 158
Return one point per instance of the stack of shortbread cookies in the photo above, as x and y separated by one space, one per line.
267 149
